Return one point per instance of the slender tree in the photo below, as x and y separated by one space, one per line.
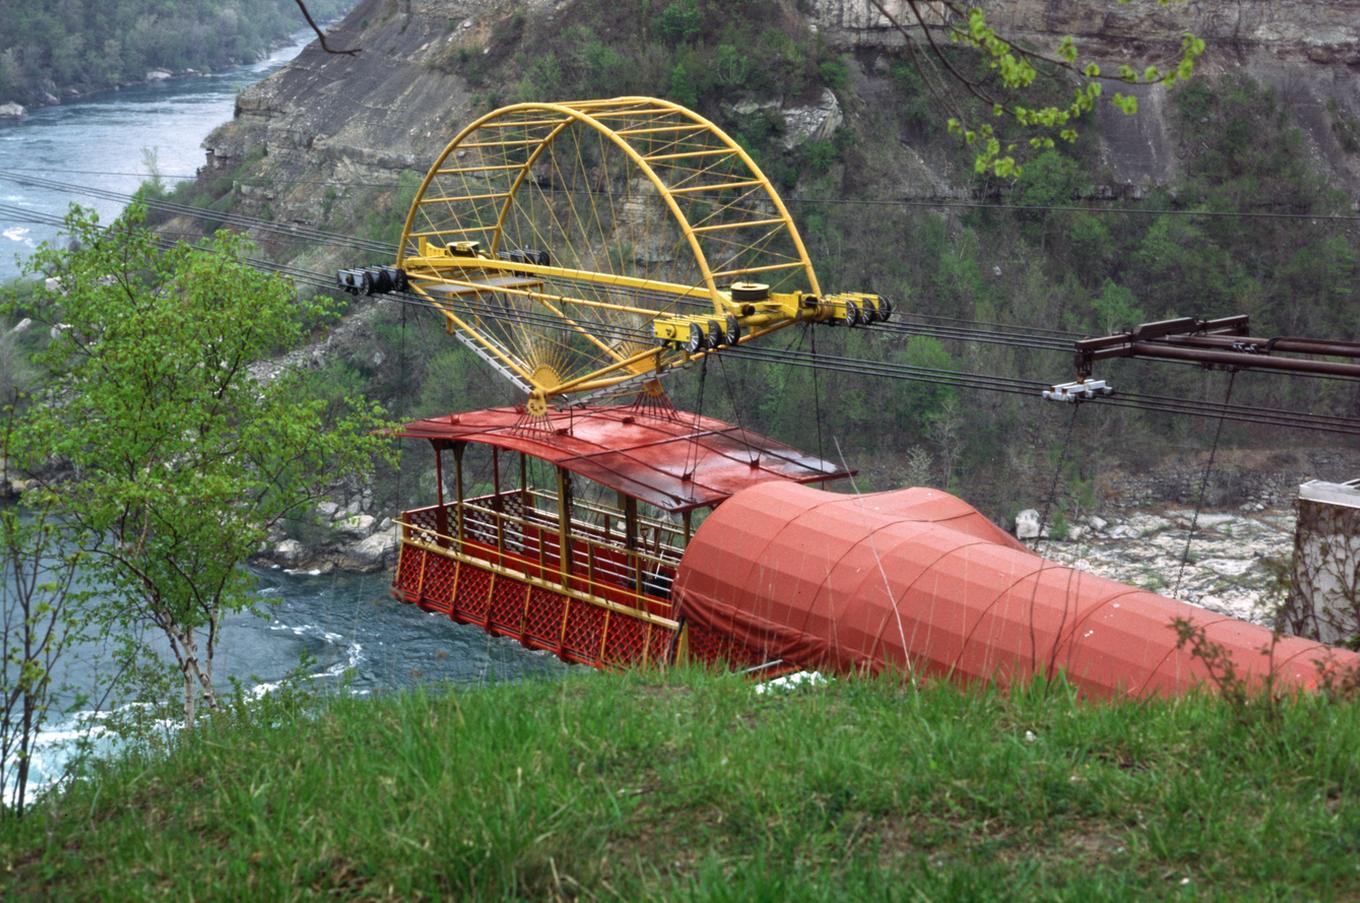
173 454
40 619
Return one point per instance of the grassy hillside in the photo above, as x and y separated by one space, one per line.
690 785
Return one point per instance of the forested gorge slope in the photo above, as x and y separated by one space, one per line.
51 49
1232 194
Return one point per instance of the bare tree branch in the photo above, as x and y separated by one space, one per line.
321 35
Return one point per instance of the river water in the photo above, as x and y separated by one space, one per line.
347 626
352 636
104 140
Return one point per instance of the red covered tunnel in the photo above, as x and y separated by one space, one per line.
918 580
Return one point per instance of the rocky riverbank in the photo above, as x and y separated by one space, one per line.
1238 561
343 538
70 93
1233 565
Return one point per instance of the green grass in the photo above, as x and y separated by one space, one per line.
689 785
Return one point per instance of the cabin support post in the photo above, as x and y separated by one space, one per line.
524 485
498 505
630 531
458 487
441 514
688 518
564 525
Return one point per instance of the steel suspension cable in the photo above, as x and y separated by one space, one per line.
1013 335
987 382
816 392
1203 487
1057 472
927 202
736 408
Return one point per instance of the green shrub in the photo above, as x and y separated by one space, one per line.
681 22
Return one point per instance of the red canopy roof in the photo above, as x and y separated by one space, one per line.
676 462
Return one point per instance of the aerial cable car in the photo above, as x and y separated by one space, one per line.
584 250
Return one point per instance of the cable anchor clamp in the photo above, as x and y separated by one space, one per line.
1080 390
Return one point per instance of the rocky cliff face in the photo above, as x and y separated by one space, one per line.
360 121
1307 50
1320 31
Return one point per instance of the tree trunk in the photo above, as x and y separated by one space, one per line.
189 669
209 690
25 755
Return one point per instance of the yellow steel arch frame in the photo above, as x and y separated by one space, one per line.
575 111
760 179
508 182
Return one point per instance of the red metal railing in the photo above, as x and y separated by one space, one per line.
496 562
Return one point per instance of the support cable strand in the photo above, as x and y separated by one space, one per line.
816 395
1203 487
1057 472
1287 419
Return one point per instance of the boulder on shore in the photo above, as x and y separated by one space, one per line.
288 553
369 554
13 488
356 525
11 111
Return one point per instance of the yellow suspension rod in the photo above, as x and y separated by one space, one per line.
431 267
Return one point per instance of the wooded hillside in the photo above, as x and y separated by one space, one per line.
53 49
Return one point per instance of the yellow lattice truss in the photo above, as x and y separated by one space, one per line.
585 244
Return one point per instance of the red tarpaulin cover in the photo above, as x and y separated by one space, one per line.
918 580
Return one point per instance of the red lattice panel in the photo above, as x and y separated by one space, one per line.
507 605
740 655
436 593
479 526
408 572
710 646
426 518
543 620
659 646
474 589
624 642
701 643
582 639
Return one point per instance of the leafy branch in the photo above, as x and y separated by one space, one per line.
1012 71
